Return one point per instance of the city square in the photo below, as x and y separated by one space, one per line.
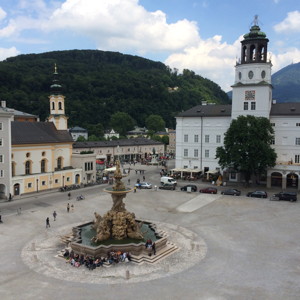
228 247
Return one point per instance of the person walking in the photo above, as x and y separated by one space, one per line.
68 207
47 223
69 195
128 181
54 215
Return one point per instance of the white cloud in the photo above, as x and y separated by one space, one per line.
281 60
290 24
8 52
2 14
211 58
123 24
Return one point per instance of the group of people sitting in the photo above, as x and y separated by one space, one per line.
91 263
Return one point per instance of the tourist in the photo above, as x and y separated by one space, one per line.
54 215
68 207
66 254
134 189
72 207
47 222
69 195
154 248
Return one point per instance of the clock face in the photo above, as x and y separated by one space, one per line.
250 74
240 75
263 74
249 95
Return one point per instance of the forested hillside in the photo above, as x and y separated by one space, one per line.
286 83
97 84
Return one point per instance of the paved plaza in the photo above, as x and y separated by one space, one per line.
228 247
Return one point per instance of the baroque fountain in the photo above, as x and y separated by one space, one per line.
117 229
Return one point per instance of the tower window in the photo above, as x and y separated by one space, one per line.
59 163
43 166
59 106
53 106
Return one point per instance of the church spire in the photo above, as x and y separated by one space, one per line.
55 86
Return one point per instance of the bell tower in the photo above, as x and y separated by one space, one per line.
252 89
57 104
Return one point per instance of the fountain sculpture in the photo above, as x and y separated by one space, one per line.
117 229
117 223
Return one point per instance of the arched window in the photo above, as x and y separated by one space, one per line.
53 105
59 106
59 163
43 165
27 167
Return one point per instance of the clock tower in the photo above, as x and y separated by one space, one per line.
252 89
57 104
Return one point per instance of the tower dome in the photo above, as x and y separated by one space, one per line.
254 45
55 86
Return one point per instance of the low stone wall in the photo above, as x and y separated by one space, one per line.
102 250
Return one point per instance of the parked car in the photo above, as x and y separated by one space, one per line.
144 185
192 186
166 179
287 196
167 186
258 194
209 190
233 192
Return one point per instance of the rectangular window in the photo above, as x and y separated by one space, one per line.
56 180
297 159
206 138
273 142
233 176
245 105
43 182
185 167
195 152
186 138
1 125
196 138
273 124
297 141
68 179
298 124
206 153
218 139
253 105
1 173
1 158
185 152
29 185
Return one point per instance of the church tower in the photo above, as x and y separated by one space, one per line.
252 89
57 104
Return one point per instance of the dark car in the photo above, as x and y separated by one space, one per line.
209 190
258 194
287 196
192 186
168 187
232 192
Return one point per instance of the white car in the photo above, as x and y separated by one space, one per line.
144 185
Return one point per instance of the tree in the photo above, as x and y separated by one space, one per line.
155 123
81 139
122 122
247 146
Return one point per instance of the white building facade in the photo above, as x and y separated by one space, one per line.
200 130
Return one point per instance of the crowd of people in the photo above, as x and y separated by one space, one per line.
113 257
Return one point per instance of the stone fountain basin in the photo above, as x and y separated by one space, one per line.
136 247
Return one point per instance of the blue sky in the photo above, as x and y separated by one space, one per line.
203 36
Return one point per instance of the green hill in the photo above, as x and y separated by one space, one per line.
97 84
286 83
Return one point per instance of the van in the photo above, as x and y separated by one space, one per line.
168 180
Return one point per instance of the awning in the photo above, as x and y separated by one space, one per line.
186 170
112 169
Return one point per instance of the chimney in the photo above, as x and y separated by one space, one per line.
3 103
